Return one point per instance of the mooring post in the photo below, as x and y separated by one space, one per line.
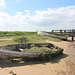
72 34
60 32
64 32
72 38
52 31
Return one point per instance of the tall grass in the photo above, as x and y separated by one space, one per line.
32 37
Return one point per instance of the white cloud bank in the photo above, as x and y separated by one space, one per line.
2 4
59 18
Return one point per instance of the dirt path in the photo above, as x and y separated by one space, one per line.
71 52
60 65
6 39
69 49
61 44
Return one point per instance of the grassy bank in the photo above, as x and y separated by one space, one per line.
32 37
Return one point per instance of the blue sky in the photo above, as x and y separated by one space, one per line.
32 15
13 6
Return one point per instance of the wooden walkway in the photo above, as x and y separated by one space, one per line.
69 33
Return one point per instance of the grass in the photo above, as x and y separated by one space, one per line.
7 42
36 50
46 53
39 49
31 36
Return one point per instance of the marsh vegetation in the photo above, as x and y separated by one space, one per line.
12 37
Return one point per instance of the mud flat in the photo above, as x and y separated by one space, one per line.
71 51
61 65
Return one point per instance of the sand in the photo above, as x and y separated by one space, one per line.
6 39
60 65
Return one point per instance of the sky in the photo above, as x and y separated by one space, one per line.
33 15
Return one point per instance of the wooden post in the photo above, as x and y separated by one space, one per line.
72 38
73 35
52 31
60 32
64 32
72 31
69 33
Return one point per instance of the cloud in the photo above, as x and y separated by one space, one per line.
19 13
2 4
27 12
57 18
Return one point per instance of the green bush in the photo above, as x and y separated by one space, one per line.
38 50
26 58
45 52
42 57
21 39
48 56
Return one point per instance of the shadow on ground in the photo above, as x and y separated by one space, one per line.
58 58
25 63
70 41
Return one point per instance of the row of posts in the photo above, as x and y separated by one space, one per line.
71 33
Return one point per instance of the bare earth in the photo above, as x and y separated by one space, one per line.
6 39
60 65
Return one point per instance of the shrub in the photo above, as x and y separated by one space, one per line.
48 56
21 40
42 56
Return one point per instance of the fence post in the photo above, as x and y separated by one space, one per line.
72 38
60 32
64 32
72 34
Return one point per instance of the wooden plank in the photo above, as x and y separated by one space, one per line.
17 54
